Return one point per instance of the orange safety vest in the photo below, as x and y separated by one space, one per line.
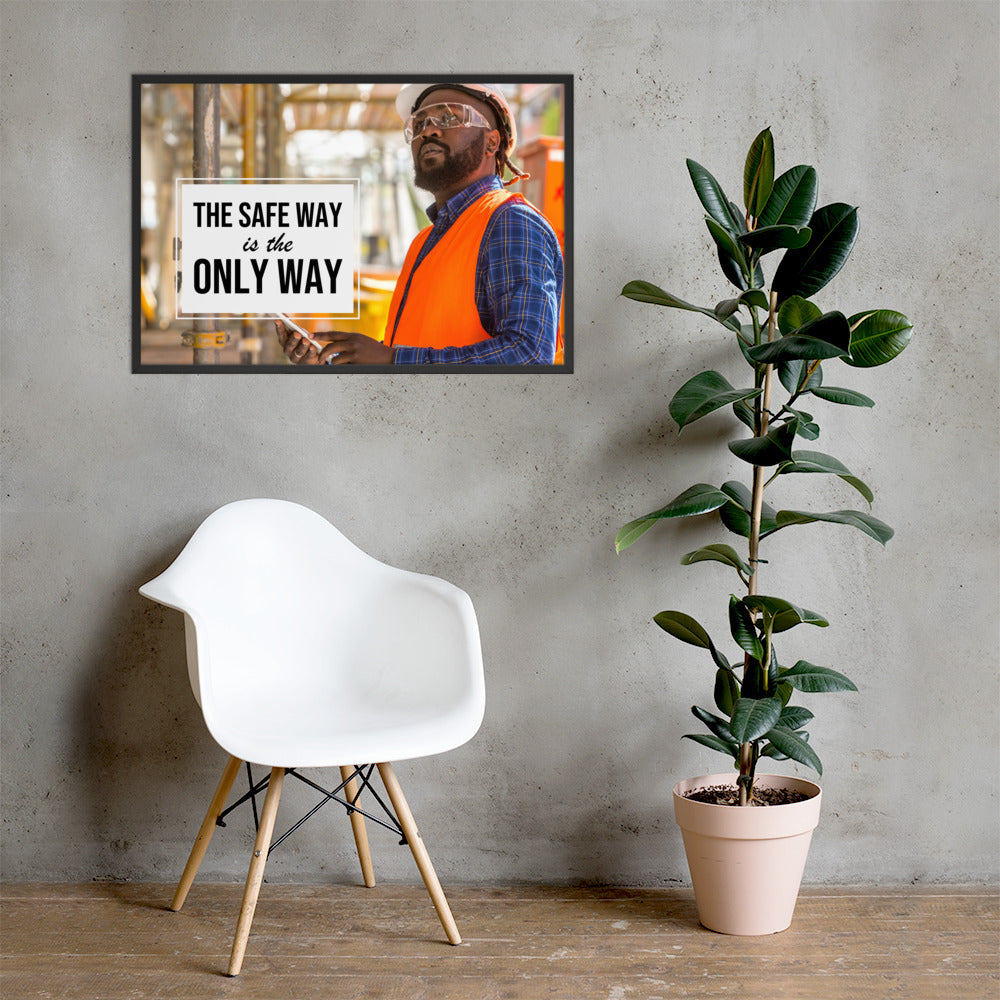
440 307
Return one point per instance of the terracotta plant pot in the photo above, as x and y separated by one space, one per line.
746 862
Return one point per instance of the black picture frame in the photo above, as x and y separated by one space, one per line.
155 347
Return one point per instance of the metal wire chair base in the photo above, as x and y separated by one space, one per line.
362 774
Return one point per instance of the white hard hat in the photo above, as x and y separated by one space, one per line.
411 93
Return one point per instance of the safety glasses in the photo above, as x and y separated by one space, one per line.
443 116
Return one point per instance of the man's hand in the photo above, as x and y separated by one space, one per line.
355 349
339 349
297 349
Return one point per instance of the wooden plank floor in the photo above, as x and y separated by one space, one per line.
110 941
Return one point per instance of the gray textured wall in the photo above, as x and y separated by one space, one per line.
513 487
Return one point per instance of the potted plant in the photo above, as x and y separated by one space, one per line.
785 338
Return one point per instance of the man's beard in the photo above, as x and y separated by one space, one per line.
452 168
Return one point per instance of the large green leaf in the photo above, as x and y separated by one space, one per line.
795 347
878 337
731 749
727 690
758 173
755 685
646 291
720 661
846 397
732 270
718 553
728 245
733 261
743 630
777 607
753 717
683 627
872 526
698 499
793 375
736 515
714 199
716 725
812 679
631 532
720 727
816 461
808 429
704 393
805 271
769 238
828 336
772 448
756 298
724 309
794 746
794 717
737 520
744 414
784 620
795 312
738 492
793 198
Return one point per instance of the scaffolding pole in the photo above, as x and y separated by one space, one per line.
207 101
250 341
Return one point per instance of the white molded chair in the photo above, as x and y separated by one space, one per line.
303 651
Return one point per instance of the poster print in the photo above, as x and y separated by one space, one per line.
331 224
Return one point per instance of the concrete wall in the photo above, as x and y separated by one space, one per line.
513 487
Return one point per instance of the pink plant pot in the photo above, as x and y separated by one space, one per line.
746 863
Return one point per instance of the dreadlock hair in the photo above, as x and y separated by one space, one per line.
502 161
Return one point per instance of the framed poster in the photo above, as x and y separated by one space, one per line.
333 224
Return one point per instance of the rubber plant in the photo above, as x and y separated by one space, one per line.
786 340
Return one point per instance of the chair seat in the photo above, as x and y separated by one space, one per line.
306 731
311 697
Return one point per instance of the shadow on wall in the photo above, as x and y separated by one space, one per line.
625 823
145 744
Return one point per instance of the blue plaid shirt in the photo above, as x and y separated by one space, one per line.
519 280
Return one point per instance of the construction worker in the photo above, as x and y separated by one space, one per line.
483 283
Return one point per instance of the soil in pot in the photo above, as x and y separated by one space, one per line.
729 795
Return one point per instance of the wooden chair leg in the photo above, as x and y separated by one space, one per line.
204 837
358 826
256 873
420 854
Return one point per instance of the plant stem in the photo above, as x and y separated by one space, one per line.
763 419
772 326
746 773
766 662
757 506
